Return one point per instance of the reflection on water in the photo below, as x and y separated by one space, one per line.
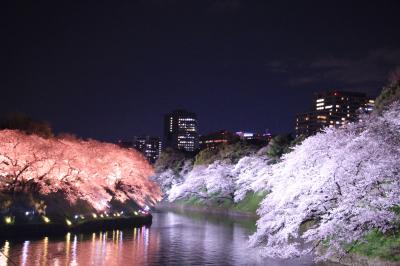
173 239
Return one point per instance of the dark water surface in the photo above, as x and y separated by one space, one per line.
173 239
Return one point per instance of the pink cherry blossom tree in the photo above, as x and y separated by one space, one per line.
88 170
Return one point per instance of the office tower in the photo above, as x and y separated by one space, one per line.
181 130
332 109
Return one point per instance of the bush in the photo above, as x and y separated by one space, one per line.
226 152
388 95
170 159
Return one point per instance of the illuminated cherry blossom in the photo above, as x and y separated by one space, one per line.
206 181
88 170
346 181
343 182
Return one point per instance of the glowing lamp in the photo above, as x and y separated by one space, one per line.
8 220
136 213
69 223
94 215
46 219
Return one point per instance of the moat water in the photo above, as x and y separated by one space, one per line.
172 239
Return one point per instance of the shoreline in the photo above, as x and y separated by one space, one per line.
350 259
357 259
181 207
19 230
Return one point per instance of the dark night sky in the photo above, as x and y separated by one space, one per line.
111 70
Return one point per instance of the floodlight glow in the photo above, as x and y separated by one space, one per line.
8 220
46 219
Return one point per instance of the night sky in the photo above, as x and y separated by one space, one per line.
112 70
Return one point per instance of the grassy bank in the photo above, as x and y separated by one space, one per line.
247 206
380 246
376 249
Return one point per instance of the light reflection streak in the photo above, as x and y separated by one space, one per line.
25 250
104 253
67 246
146 243
45 250
121 238
74 251
93 247
146 237
118 247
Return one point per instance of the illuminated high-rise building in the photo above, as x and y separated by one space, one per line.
180 130
332 109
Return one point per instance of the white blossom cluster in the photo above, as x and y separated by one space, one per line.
345 182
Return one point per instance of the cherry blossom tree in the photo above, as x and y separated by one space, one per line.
251 175
206 181
168 178
325 195
24 159
343 182
346 181
87 170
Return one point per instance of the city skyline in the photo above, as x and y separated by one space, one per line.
112 71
